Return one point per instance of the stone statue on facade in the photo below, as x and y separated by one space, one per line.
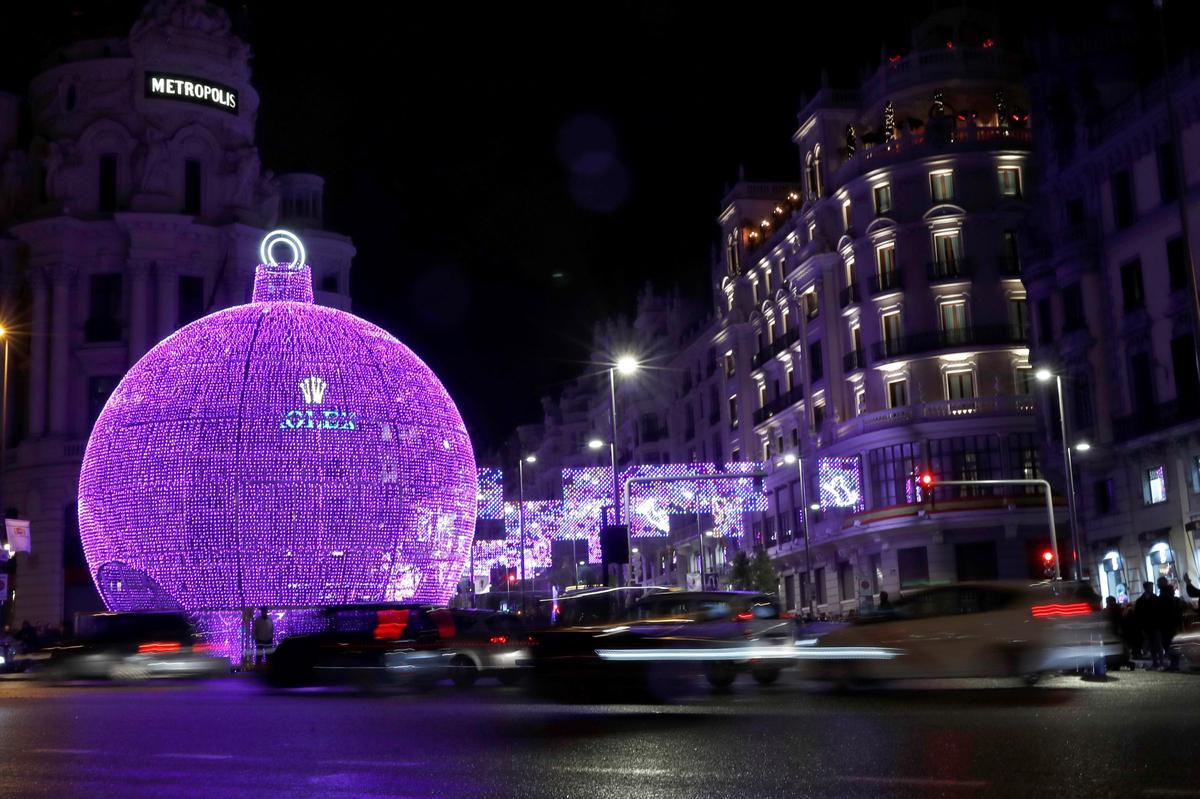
62 166
150 161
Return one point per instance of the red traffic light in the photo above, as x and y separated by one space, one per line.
927 479
1048 556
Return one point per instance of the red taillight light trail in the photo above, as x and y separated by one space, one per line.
158 647
390 624
1065 609
745 615
498 639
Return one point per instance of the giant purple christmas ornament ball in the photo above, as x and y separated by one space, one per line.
280 454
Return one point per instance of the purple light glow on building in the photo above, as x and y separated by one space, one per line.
840 482
282 454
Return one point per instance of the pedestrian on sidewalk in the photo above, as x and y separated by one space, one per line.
1192 591
264 636
1170 621
1146 614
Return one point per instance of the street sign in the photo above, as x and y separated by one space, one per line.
17 532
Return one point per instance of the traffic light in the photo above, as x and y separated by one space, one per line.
512 575
927 480
1048 562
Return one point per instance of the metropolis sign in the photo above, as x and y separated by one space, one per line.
164 86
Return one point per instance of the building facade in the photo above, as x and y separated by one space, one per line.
892 329
133 209
1111 280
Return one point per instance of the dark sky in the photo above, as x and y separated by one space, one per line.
510 174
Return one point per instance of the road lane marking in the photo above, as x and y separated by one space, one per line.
196 756
916 781
628 772
66 751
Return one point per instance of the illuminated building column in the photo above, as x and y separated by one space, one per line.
59 350
168 300
139 311
38 340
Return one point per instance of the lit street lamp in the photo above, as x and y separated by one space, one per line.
626 365
521 517
1044 375
804 503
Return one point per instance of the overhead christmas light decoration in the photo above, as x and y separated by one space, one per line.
280 454
588 491
840 482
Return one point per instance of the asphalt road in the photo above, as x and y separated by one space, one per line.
1135 736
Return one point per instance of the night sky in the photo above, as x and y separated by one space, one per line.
511 175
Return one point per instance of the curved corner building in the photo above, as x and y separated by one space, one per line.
891 328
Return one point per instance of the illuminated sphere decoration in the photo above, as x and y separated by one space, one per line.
280 454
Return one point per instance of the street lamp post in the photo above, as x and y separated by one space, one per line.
521 517
699 532
3 418
1044 376
626 365
804 509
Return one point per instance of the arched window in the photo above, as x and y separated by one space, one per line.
817 170
731 255
810 174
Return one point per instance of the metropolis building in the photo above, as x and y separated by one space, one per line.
136 206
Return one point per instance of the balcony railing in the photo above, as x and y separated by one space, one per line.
886 281
949 270
782 402
848 296
941 409
774 348
979 336
1160 417
855 359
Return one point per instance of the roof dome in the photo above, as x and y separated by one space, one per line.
279 454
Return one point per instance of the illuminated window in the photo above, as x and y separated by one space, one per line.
960 386
729 364
890 326
783 320
883 199
1010 181
762 396
885 259
856 339
767 280
941 185
733 414
953 317
790 377
1154 485
847 219
860 400
897 392
809 298
849 271
947 248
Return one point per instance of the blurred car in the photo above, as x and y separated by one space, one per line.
485 643
128 646
660 641
976 629
1185 648
366 646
